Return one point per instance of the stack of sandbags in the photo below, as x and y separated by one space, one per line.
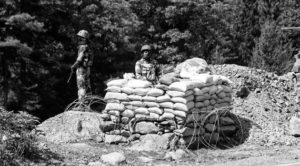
215 93
115 98
206 129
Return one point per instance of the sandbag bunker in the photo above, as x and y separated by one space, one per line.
190 108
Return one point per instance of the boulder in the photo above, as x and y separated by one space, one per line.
115 139
153 142
114 158
146 128
191 67
71 126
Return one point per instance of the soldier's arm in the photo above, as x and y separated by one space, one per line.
138 70
152 74
79 59
81 52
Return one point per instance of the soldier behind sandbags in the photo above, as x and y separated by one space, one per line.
146 67
83 65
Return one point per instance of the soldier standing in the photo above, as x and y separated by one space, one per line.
83 65
145 68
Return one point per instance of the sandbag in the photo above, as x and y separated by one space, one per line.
127 90
203 78
195 118
149 98
141 117
135 98
155 92
199 104
213 89
128 113
166 105
183 100
169 110
138 84
227 89
137 103
225 121
179 94
180 113
151 104
162 87
115 119
212 102
166 116
114 112
140 91
168 79
164 98
221 95
186 131
116 96
142 110
182 86
117 82
116 89
201 98
184 107
155 110
198 91
205 89
115 106
131 107
154 116
214 96
206 103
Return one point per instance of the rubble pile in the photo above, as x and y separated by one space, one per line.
186 107
271 102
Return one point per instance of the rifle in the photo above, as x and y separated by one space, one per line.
71 74
291 28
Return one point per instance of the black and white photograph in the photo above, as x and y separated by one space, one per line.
149 82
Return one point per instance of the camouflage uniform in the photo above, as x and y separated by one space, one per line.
145 70
84 62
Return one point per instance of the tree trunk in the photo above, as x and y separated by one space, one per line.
4 83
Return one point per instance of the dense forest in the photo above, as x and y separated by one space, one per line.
38 46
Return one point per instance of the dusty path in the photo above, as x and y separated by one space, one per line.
245 155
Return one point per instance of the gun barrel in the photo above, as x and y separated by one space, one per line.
290 28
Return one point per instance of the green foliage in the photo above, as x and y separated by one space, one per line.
17 144
38 41
273 50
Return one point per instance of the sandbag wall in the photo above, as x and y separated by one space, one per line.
183 107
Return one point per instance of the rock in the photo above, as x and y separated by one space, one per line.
146 128
191 67
177 155
99 138
145 159
125 133
71 126
295 126
115 139
114 158
97 163
153 142
134 137
107 126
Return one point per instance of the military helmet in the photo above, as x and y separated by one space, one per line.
145 47
83 33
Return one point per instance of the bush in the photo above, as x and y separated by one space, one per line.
17 143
